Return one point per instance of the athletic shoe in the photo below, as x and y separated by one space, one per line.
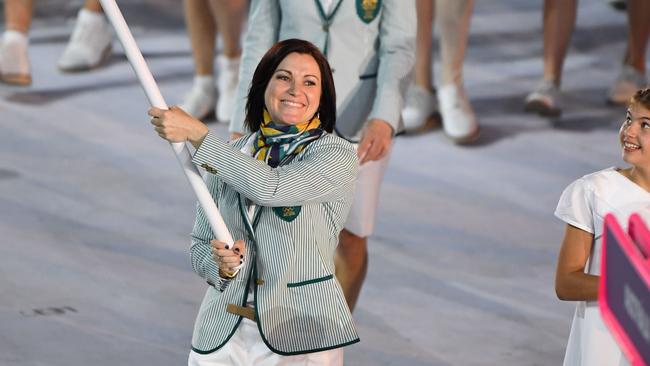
14 60
629 80
90 44
544 100
458 119
421 106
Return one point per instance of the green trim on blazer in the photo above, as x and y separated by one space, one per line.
251 233
315 280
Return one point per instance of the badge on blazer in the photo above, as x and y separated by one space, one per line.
367 10
288 213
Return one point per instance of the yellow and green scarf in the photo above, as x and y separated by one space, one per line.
276 144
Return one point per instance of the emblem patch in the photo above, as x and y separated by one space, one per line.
288 213
367 10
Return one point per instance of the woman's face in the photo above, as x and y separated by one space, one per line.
635 136
293 93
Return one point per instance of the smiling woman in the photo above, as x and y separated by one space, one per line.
285 189
294 85
582 207
293 93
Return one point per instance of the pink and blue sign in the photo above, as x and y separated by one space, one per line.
624 293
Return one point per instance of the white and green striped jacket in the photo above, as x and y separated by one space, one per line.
299 304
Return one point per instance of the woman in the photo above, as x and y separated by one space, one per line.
583 206
286 188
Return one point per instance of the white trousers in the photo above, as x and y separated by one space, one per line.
363 213
246 348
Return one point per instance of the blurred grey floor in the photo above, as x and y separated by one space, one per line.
95 213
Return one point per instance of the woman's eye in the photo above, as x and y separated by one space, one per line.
310 83
282 77
645 125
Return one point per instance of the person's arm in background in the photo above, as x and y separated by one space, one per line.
263 28
396 59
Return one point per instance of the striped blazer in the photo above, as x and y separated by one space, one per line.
299 304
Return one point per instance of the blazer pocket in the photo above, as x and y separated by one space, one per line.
309 282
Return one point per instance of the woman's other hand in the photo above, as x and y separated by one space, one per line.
175 125
227 257
375 141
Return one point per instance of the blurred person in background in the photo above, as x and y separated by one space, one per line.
559 21
89 45
370 46
452 19
204 20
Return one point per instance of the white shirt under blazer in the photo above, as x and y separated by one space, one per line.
299 304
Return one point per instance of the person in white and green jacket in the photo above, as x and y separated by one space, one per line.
370 45
285 189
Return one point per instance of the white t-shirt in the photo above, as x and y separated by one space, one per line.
584 204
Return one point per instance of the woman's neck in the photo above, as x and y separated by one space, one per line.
639 175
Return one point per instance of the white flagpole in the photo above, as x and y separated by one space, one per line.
156 99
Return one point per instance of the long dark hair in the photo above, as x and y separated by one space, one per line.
267 66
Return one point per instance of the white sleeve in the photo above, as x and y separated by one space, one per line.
576 206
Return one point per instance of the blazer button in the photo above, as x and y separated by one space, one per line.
259 281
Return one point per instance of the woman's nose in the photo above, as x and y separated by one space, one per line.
294 88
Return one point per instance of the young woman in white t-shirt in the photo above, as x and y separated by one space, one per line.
583 206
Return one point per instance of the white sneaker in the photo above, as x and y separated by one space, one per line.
200 100
14 60
89 45
421 106
227 80
629 80
544 100
458 119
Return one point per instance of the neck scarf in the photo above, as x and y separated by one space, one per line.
275 143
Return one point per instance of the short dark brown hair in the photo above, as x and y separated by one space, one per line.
642 96
267 66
